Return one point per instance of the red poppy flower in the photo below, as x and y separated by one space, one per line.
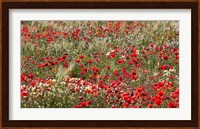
120 61
33 83
55 63
81 57
24 94
134 77
165 57
84 104
153 98
108 67
139 89
50 39
89 61
66 64
151 45
78 106
85 69
89 102
115 72
82 72
23 78
161 93
171 105
131 62
124 70
48 88
42 58
96 70
40 65
78 61
157 101
113 55
95 94
150 106
174 95
30 75
166 45
120 78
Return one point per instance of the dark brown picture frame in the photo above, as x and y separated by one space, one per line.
98 123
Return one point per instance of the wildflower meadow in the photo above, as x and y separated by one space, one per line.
99 64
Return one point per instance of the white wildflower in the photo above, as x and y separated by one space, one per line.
54 80
138 52
107 54
112 51
172 70
62 83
